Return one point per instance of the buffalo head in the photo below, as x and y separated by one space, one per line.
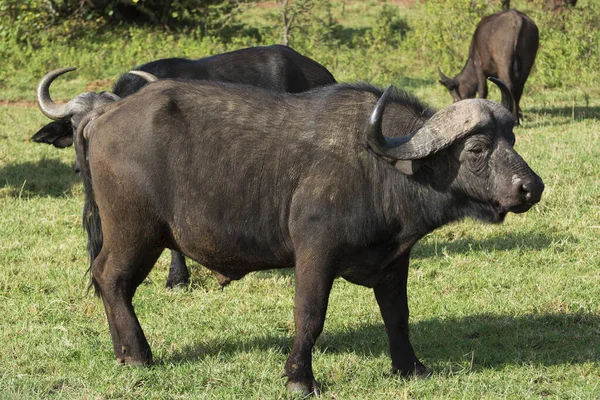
457 91
469 148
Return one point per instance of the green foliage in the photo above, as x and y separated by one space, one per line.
569 53
303 23
26 20
373 41
389 28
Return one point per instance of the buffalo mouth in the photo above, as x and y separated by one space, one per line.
490 212
495 212
520 208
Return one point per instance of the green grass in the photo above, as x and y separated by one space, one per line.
498 311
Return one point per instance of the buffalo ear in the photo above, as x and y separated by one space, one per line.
57 133
408 167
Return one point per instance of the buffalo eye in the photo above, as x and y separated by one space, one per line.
477 150
476 154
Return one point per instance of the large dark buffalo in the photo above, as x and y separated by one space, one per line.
276 67
504 46
340 181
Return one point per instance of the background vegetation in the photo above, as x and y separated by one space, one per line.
503 311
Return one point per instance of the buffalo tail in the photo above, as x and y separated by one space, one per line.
91 217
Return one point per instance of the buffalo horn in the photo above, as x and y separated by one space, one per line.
379 143
443 78
112 96
440 131
508 100
146 75
49 107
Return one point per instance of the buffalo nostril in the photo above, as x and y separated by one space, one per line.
526 189
532 190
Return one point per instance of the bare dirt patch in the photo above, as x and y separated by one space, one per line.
99 85
18 103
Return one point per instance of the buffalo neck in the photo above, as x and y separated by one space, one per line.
467 80
416 205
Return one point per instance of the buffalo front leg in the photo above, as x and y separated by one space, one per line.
178 271
313 284
392 299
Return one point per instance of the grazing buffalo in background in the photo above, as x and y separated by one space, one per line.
504 46
276 67
241 179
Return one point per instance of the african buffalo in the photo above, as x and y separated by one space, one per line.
276 67
242 179
504 46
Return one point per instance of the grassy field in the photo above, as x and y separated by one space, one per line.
497 311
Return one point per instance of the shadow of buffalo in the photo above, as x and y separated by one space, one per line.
576 112
502 242
47 177
491 341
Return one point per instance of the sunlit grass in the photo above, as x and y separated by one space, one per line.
498 311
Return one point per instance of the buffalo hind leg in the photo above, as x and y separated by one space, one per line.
116 276
392 299
178 271
313 284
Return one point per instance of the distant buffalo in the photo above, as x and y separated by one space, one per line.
504 46
276 67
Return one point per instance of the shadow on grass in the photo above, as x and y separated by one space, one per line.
537 117
578 112
491 341
504 242
47 177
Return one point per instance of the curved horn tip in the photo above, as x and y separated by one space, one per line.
386 93
380 105
508 99
47 106
143 74
441 74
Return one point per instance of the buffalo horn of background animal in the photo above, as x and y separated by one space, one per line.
443 78
63 111
508 100
440 131
49 107
143 74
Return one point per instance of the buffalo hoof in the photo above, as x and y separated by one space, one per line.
134 362
419 371
310 387
138 358
177 283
